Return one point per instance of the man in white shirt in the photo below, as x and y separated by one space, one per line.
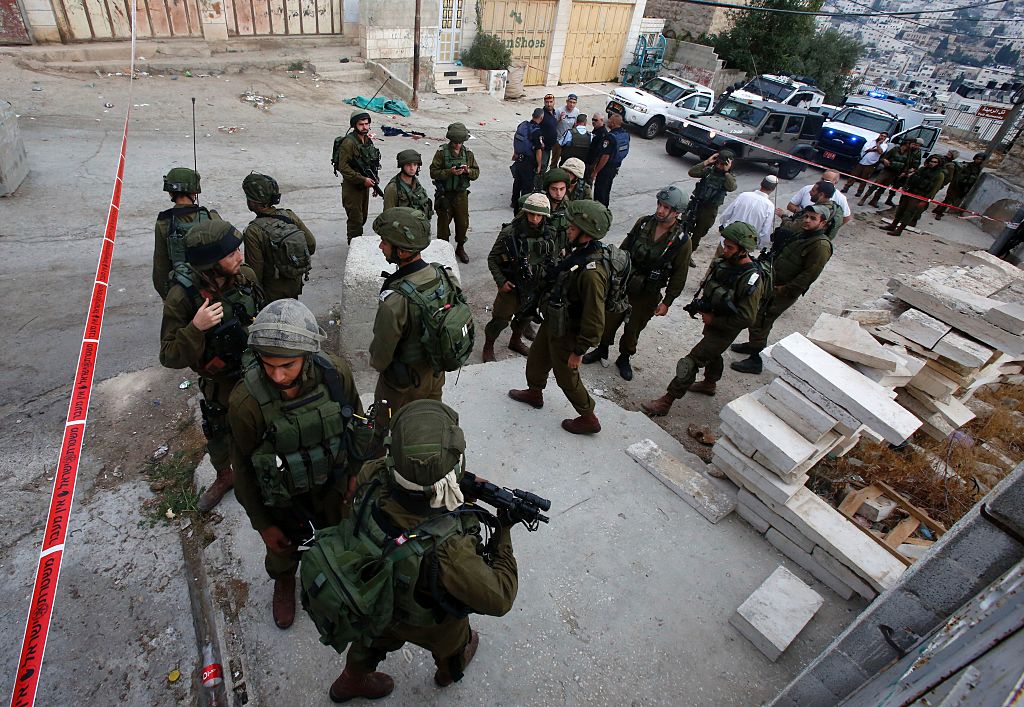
755 208
566 121
803 198
869 157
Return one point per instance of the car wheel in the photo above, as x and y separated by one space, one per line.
790 170
653 127
672 148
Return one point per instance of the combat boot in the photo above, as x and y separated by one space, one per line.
889 201
704 387
460 253
360 682
517 344
625 370
596 355
748 365
211 497
530 332
658 407
898 231
746 348
443 677
284 601
488 353
874 200
534 397
583 425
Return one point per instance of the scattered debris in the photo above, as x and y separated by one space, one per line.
160 452
260 101
701 433
185 384
174 676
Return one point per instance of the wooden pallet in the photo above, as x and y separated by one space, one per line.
903 530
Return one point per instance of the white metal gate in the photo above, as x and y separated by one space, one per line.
449 41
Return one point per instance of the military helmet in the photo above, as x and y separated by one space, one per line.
358 115
425 442
726 155
742 234
557 174
980 155
457 132
673 197
209 241
591 217
537 203
285 327
182 179
261 188
403 227
575 167
409 157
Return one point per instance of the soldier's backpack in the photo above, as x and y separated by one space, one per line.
357 579
334 153
620 268
447 321
178 229
288 248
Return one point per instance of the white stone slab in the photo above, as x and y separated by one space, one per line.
745 498
776 612
952 410
1008 316
933 383
783 447
985 259
703 495
920 328
844 573
806 560
866 400
846 423
745 472
868 317
845 339
793 406
741 442
967 353
932 423
753 519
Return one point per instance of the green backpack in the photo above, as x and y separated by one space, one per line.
288 248
620 268
447 321
357 580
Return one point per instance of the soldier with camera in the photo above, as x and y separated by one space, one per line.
716 180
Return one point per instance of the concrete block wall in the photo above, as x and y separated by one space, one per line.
979 548
997 195
41 21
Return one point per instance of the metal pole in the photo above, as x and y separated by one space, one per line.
416 60
1008 123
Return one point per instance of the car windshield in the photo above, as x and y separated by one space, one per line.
771 90
743 112
668 92
862 119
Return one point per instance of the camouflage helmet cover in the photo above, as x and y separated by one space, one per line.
742 234
403 227
286 328
457 132
183 180
726 155
537 203
425 442
591 217
575 167
409 157
209 241
261 189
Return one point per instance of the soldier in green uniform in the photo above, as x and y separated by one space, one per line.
357 159
182 184
417 482
578 188
965 176
291 438
797 259
208 309
924 182
659 251
574 312
405 188
821 195
278 245
396 351
896 162
517 262
452 169
727 302
716 180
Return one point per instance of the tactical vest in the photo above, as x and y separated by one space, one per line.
719 289
289 252
580 191
786 254
710 190
226 342
652 262
967 176
178 229
413 350
367 154
414 197
306 442
621 138
454 182
578 146
898 160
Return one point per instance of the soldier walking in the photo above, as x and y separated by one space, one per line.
452 169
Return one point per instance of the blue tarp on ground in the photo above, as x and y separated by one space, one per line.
390 106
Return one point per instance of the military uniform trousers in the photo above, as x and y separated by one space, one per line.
885 178
216 393
356 200
323 509
425 385
506 306
641 310
706 216
954 197
707 354
549 353
909 210
603 184
860 172
766 319
446 641
452 205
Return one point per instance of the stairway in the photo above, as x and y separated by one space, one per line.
450 79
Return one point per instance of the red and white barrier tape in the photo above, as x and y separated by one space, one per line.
44 592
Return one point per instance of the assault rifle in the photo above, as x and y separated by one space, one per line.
369 173
516 505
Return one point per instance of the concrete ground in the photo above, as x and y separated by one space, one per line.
123 620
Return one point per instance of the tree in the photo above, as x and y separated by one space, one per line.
771 43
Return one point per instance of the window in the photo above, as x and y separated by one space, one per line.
773 124
794 124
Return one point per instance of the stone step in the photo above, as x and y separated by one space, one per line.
451 90
355 75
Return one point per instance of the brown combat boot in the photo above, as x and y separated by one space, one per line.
517 344
211 497
533 397
284 601
488 353
359 682
583 425
460 253
658 407
704 387
443 677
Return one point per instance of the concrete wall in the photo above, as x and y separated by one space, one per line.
983 545
996 197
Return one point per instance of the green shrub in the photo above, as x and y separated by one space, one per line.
487 52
